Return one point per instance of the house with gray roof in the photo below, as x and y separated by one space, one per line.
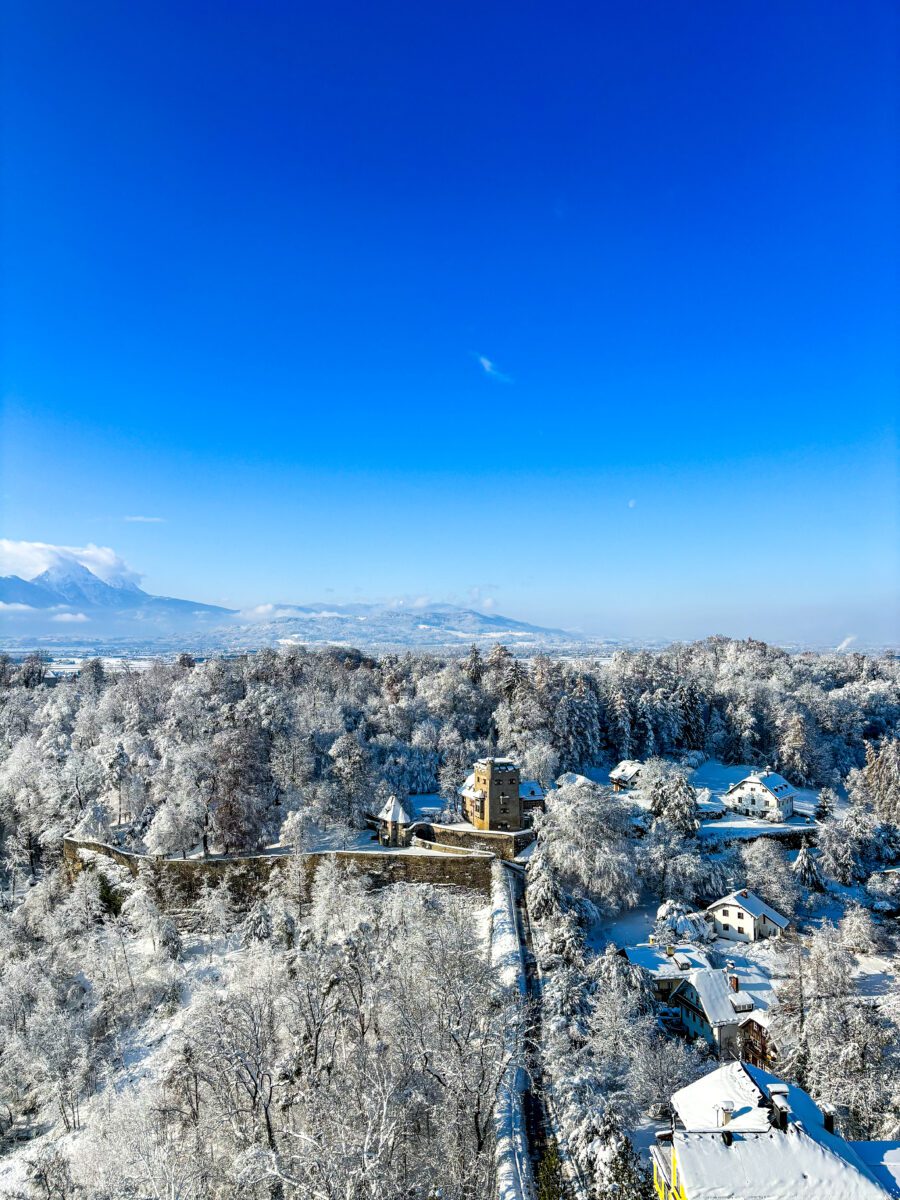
743 917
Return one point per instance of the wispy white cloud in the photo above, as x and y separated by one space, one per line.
69 617
480 596
847 642
145 520
632 503
4 607
27 559
490 368
265 612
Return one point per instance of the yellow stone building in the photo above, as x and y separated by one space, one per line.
495 796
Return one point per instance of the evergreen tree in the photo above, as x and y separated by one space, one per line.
645 738
882 775
797 754
826 803
473 666
551 1184
692 725
620 729
618 1172
806 869
258 924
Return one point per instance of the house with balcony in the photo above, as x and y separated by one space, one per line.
712 1003
626 775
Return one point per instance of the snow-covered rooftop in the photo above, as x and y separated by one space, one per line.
626 772
752 1159
698 1106
394 811
770 1166
573 779
770 780
722 1005
756 907
656 960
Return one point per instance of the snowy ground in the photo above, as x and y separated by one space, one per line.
207 964
629 928
718 777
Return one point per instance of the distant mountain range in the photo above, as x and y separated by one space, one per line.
71 588
68 607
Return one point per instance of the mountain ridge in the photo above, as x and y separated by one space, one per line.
68 594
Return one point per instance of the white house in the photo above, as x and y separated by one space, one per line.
713 1004
626 775
762 794
743 917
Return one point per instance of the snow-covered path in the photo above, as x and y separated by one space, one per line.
515 1174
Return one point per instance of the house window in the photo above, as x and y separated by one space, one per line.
740 915
725 925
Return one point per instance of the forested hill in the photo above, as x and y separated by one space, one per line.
233 749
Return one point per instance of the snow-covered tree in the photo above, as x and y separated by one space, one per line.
806 869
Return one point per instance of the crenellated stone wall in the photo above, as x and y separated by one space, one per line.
180 880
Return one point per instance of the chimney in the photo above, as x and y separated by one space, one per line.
734 983
727 1137
726 1112
780 1110
827 1117
670 950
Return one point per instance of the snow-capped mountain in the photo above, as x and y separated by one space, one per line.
69 605
390 625
69 594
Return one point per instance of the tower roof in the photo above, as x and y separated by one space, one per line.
394 811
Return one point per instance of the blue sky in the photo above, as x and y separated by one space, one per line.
256 257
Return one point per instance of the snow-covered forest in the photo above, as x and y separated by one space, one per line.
353 1044
224 752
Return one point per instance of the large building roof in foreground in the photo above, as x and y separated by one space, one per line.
748 1157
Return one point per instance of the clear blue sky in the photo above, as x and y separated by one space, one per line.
254 254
